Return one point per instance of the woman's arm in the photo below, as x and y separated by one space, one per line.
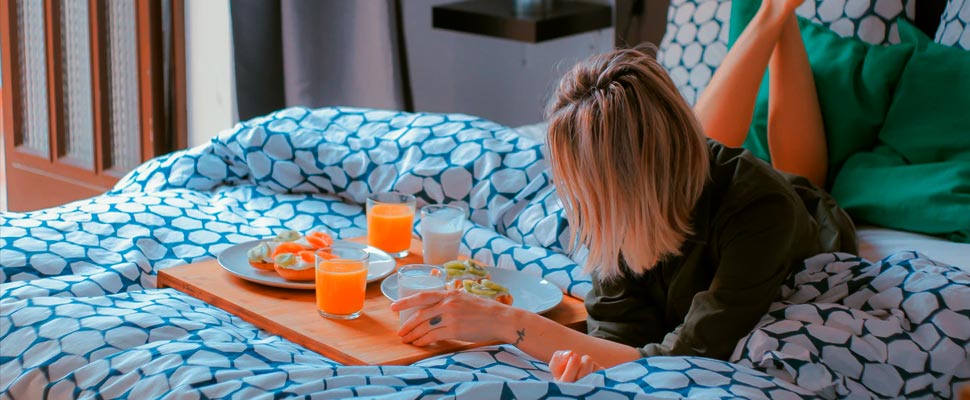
540 337
451 315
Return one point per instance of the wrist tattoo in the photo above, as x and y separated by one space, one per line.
521 333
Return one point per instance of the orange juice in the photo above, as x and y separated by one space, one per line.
389 227
340 287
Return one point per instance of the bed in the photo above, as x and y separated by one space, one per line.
81 317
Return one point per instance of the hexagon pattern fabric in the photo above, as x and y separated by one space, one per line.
80 315
846 327
954 29
695 43
696 39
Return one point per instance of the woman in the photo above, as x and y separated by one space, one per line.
689 240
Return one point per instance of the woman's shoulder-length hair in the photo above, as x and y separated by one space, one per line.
629 160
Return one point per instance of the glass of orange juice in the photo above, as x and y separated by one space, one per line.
390 216
341 281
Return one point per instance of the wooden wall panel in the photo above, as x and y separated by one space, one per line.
35 181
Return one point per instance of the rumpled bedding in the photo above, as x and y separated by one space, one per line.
80 315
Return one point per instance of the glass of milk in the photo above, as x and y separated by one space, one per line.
416 278
441 229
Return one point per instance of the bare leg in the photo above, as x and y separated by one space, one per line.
796 135
727 104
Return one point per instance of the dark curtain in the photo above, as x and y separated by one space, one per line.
317 53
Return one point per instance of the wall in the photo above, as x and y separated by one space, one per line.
210 84
506 81
3 159
502 80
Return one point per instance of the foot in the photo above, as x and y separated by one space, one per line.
779 10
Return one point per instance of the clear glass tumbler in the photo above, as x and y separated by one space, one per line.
341 281
441 230
390 218
416 278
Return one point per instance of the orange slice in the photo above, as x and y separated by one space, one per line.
288 247
319 240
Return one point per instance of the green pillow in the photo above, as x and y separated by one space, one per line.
880 187
929 119
854 81
919 179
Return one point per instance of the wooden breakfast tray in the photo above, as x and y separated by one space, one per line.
370 339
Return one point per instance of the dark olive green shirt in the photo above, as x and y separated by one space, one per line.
751 227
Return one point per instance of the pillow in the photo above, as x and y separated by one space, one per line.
695 43
928 120
854 81
919 178
879 187
872 21
954 29
697 33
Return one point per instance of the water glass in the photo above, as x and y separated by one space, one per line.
416 278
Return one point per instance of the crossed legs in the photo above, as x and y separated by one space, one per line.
796 136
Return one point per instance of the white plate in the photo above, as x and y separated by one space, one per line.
529 292
235 260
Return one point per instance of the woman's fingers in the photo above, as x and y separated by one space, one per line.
568 366
572 368
588 366
422 299
421 323
558 362
449 315
434 335
420 318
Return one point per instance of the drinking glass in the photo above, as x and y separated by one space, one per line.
416 278
390 217
341 281
441 229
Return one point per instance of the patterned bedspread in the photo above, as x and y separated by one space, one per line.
80 315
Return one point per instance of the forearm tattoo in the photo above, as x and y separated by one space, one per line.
521 333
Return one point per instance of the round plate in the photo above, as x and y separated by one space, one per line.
234 260
529 292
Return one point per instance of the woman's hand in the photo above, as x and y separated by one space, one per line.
569 366
453 315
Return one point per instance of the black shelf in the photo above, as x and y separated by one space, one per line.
499 18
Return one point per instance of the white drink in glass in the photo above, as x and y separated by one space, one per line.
418 278
441 230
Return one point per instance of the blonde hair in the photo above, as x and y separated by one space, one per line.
629 160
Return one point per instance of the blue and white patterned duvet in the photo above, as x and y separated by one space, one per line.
80 315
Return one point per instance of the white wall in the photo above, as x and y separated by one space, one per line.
210 84
503 80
